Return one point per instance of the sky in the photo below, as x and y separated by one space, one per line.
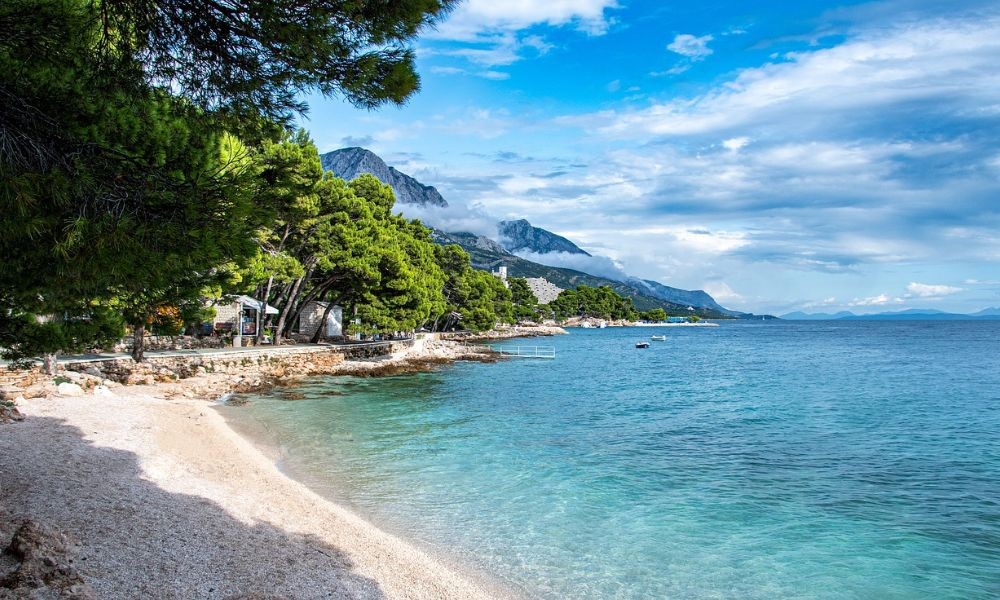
815 156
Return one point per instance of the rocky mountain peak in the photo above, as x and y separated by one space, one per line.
520 235
348 163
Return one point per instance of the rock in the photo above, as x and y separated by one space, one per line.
40 390
9 413
103 392
45 568
8 392
69 389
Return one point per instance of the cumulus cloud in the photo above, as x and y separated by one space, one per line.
734 144
925 290
721 291
693 47
491 33
453 218
880 300
472 18
947 64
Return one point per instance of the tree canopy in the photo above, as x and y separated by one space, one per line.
121 182
600 302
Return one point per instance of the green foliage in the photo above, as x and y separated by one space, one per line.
524 300
250 59
119 184
472 299
25 336
655 315
600 302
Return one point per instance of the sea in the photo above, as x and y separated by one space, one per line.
770 459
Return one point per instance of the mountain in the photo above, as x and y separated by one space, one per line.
802 316
488 255
918 314
987 312
519 235
348 163
678 296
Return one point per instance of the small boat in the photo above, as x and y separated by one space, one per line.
602 325
585 325
658 338
642 344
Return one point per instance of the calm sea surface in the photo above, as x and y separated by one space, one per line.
751 460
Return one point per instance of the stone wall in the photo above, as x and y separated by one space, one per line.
248 365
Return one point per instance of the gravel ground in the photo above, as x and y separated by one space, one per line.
161 499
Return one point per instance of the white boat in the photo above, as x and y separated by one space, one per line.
658 338
585 325
602 325
642 344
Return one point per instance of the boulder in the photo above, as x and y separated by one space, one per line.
69 389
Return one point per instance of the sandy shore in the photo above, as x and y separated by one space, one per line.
159 498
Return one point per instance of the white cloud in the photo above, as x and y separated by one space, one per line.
693 47
494 75
722 292
952 62
880 300
475 17
925 290
734 144
489 33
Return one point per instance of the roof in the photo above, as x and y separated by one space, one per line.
249 302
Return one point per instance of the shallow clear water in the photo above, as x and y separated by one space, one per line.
751 460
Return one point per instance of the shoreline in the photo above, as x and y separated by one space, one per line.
147 493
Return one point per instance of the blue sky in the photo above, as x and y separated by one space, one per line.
814 156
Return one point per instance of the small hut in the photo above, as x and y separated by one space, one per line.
312 316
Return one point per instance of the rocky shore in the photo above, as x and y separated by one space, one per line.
125 482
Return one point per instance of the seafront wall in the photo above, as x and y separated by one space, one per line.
247 365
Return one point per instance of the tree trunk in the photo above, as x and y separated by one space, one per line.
279 331
261 319
50 362
139 342
321 330
293 294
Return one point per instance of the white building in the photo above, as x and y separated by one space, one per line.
312 315
543 289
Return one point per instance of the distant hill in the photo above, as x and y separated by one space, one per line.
348 163
487 256
679 296
913 314
802 316
520 235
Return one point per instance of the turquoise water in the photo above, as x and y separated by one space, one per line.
751 460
